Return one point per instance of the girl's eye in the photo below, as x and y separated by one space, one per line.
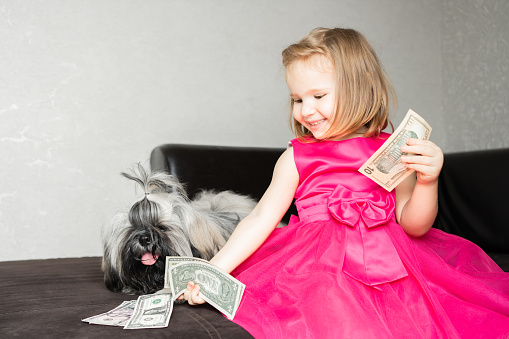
320 96
297 101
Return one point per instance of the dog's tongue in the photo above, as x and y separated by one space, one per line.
149 259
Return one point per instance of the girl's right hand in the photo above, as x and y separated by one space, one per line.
191 294
427 160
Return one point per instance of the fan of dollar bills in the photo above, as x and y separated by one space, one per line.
218 288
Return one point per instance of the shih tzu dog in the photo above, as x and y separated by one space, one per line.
164 222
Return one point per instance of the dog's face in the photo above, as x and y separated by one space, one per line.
136 244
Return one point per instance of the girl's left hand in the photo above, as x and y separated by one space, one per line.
427 160
191 294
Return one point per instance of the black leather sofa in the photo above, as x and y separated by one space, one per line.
473 193
48 298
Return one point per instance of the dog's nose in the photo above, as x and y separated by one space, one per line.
144 240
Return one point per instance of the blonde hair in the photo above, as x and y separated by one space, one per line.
364 93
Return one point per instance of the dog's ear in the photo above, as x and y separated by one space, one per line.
156 181
111 278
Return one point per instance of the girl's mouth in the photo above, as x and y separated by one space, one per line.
312 124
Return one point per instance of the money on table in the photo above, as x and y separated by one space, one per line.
151 311
385 166
148 311
119 316
218 288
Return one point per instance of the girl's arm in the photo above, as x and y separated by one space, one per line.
252 231
417 196
256 227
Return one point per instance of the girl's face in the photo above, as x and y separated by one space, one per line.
311 84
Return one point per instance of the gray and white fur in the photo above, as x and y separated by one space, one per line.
165 222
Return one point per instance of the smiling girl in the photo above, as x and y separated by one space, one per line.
358 261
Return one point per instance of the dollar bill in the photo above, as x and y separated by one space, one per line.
385 166
218 288
119 316
173 261
151 311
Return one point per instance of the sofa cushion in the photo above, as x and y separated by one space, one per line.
473 198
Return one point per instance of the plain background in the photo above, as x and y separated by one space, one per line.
89 88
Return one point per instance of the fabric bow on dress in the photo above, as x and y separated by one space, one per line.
370 256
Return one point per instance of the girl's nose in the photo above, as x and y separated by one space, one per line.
308 109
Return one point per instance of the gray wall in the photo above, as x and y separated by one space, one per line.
475 74
90 87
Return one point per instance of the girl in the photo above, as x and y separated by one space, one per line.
359 262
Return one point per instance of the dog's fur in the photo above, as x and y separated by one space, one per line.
165 223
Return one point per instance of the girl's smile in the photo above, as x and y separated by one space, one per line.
316 123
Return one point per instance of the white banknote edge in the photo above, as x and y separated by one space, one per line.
91 319
98 315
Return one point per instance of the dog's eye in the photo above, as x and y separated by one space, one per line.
162 227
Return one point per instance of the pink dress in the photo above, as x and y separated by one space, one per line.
346 269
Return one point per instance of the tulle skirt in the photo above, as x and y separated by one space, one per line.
296 287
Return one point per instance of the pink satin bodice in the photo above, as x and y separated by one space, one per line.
358 203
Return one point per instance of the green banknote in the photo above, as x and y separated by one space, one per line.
218 288
151 311
173 261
